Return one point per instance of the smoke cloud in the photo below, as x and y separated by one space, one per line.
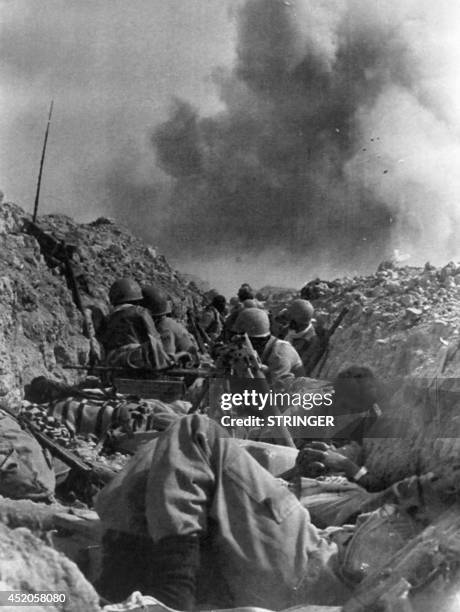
286 139
111 67
338 144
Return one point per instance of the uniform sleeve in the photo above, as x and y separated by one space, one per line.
161 357
284 364
169 342
311 354
183 339
207 319
149 324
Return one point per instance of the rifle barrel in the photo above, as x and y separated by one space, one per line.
321 356
170 372
42 161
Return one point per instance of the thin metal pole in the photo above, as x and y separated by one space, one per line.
37 193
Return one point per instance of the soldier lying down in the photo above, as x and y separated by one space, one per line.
193 505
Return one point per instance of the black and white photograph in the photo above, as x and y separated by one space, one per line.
230 305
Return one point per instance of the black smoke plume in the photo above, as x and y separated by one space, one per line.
322 157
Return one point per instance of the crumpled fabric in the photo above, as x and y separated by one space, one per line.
149 355
137 602
332 501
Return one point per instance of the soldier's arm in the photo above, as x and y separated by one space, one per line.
147 321
206 319
284 364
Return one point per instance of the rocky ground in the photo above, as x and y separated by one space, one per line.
401 321
41 330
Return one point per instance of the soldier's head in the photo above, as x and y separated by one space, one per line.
156 301
220 303
356 389
234 303
245 292
125 291
254 322
299 313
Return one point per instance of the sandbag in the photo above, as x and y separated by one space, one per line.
25 470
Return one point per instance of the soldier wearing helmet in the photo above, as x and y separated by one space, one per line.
130 338
176 339
212 320
245 299
301 333
282 360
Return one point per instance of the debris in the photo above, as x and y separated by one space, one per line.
414 312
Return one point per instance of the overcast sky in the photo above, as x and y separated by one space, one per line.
112 67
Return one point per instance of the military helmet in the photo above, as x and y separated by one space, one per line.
156 301
124 290
245 292
219 302
254 322
300 311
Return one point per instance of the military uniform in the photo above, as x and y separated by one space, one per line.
283 362
195 480
131 340
212 322
175 336
307 345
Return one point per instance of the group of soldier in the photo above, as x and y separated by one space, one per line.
141 333
194 507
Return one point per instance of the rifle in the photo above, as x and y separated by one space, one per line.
257 368
97 475
320 357
169 372
57 252
201 337
254 369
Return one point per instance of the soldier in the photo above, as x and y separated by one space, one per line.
282 360
193 498
176 339
212 320
301 333
130 338
253 304
245 299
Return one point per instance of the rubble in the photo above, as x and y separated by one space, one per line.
398 318
28 565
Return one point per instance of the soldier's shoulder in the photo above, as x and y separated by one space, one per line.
171 323
139 310
282 347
